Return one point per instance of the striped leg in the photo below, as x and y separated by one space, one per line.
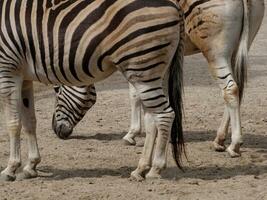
29 128
158 122
146 157
135 127
10 91
164 124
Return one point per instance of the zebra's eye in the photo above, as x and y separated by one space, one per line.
56 88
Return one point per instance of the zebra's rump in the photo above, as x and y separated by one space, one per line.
206 20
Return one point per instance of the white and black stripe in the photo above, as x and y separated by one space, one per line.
210 30
80 42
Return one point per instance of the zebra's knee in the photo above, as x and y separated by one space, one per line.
165 121
13 126
231 94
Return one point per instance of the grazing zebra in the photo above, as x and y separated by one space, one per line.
222 30
72 102
77 43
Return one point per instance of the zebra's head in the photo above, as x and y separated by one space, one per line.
71 105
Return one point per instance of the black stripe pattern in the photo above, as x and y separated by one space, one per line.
71 41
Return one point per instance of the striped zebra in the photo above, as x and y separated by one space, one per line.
80 42
223 31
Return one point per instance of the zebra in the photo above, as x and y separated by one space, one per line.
223 31
78 43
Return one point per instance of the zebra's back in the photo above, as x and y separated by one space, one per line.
77 42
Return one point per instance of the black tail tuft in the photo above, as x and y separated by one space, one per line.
175 96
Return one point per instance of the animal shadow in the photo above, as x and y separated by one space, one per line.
250 140
98 136
61 174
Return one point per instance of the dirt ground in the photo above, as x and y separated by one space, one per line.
94 163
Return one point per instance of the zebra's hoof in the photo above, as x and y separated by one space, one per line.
218 147
135 176
27 174
129 141
154 173
7 177
234 153
151 175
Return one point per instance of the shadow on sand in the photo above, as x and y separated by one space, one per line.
61 174
215 172
250 140
203 173
98 136
210 172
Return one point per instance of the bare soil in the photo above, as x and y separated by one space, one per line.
94 163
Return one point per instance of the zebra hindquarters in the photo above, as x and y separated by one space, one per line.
145 69
217 31
72 103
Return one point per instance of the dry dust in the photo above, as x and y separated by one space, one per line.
94 164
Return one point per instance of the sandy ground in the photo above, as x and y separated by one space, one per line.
94 164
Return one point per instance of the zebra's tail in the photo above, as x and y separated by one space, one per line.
240 59
175 90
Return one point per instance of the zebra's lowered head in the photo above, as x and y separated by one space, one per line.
70 107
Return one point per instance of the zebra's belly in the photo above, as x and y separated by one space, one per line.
56 78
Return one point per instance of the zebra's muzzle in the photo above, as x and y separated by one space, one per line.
62 130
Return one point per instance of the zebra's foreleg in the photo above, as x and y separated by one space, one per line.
29 128
135 127
10 92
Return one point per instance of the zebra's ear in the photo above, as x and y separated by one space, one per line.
56 88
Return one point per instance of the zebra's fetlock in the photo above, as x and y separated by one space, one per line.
231 94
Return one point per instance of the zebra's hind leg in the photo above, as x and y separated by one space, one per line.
135 128
29 128
164 120
159 117
10 92
222 132
230 92
146 158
